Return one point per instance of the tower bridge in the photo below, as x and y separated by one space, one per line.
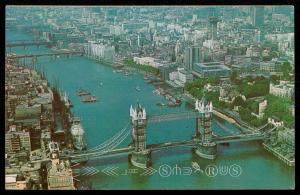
204 141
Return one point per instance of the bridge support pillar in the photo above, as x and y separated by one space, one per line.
140 159
206 151
141 156
206 147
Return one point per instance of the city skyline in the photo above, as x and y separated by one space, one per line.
127 95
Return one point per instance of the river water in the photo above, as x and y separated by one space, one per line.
238 166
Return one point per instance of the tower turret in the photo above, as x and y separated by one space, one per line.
138 120
140 155
206 147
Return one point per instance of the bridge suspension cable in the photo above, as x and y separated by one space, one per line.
113 145
272 129
263 126
111 140
226 129
109 148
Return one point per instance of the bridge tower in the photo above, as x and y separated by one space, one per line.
141 156
206 147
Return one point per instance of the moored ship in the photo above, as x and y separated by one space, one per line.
67 101
81 92
89 98
77 133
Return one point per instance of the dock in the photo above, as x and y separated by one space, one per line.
279 156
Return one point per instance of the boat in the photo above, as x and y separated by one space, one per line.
68 103
77 133
101 84
89 98
81 92
138 88
168 97
160 104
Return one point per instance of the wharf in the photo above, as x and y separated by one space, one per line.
278 155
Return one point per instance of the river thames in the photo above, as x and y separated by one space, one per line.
238 166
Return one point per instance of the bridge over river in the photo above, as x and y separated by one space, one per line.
204 142
26 43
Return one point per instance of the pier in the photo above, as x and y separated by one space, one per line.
279 156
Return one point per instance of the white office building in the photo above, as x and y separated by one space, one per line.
101 51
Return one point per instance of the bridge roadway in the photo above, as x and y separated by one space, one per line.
24 43
161 146
240 138
172 116
191 115
45 54
125 150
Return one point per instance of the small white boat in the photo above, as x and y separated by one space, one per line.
138 88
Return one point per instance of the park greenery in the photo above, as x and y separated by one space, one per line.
251 88
280 107
245 114
286 70
276 106
146 68
196 89
254 87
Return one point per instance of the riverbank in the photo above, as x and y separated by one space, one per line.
32 122
222 114
103 119
278 155
146 68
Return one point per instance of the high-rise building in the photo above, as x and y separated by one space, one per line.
257 36
213 21
101 51
192 55
139 41
177 48
196 55
188 58
258 16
